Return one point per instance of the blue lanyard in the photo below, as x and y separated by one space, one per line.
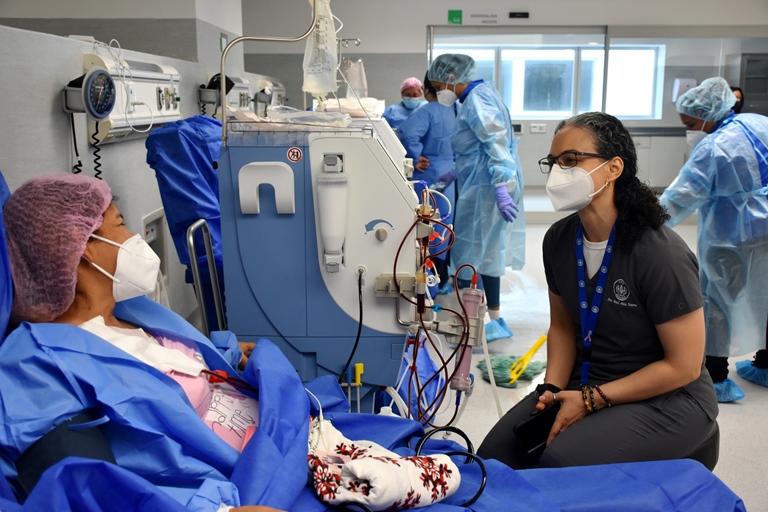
589 315
469 88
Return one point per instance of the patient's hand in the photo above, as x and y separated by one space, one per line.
247 348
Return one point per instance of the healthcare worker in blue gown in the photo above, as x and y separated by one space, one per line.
412 98
725 180
490 221
426 136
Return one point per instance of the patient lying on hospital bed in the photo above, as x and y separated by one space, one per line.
89 342
72 261
80 276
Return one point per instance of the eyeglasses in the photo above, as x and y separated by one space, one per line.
566 160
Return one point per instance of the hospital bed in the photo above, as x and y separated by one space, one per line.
79 484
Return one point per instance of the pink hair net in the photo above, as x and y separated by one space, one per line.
410 82
49 220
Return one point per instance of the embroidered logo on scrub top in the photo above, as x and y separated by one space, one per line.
620 290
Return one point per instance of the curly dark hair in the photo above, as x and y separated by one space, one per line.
428 85
638 207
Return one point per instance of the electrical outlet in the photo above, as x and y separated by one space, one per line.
538 128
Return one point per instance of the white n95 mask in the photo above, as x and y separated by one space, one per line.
446 97
136 270
693 137
571 189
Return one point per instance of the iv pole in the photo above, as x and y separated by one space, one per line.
223 92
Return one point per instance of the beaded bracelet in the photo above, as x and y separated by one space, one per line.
541 388
588 406
602 395
592 398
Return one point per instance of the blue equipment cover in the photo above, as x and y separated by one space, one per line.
183 156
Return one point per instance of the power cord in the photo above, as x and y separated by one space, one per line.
78 167
96 155
359 326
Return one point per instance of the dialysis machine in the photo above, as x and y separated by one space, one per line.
326 245
311 217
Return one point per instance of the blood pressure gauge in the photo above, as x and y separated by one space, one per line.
93 93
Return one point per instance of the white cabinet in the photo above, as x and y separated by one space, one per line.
659 158
667 156
643 150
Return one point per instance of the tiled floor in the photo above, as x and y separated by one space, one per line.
743 463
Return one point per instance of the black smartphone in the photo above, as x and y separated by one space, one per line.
532 433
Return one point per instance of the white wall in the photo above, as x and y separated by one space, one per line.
399 26
226 14
35 137
151 9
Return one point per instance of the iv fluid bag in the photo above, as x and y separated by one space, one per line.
320 60
356 80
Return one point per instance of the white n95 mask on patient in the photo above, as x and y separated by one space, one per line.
136 270
571 189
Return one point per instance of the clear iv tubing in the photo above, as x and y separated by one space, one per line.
238 40
424 408
462 317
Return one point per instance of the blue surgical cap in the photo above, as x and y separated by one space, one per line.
452 68
710 101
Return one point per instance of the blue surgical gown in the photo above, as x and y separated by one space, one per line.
427 132
725 180
395 114
51 372
486 155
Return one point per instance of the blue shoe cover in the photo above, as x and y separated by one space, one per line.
728 391
445 289
751 373
507 331
496 330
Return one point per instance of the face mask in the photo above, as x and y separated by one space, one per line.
412 103
693 137
136 271
571 189
446 97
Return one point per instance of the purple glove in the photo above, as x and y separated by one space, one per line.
507 206
447 178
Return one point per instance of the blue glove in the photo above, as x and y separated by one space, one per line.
507 206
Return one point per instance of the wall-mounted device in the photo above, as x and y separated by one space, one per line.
270 93
92 93
145 96
681 85
238 92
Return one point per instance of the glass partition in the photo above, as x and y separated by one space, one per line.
555 72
